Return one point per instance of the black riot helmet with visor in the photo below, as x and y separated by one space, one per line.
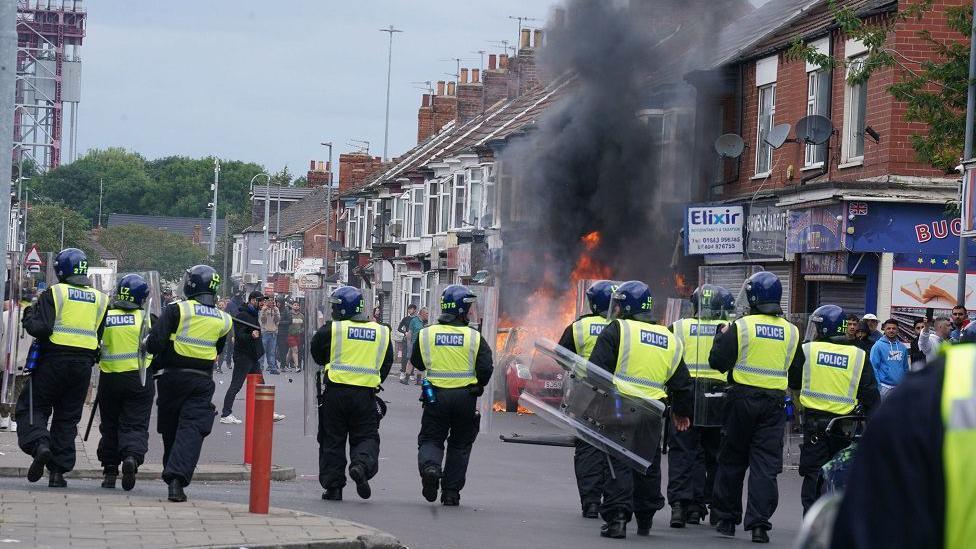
201 283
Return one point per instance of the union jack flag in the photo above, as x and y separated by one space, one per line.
858 208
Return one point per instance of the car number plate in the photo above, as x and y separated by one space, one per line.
553 384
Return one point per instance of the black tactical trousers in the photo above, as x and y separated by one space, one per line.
185 416
692 460
753 440
591 471
816 450
242 367
454 419
628 492
124 406
347 413
59 387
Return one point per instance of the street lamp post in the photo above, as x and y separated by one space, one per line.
267 215
328 212
389 65
213 208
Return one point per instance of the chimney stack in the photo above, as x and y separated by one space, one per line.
311 165
463 77
503 61
475 76
491 61
524 42
451 87
425 102
538 38
440 87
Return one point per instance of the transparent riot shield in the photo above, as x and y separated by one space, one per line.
317 311
818 524
591 406
710 385
792 408
15 342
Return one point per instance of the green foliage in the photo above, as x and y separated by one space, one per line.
935 93
173 186
44 229
141 248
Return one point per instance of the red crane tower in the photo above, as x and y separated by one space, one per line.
49 36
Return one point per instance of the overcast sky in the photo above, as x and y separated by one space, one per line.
268 81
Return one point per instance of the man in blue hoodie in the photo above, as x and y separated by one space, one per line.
889 358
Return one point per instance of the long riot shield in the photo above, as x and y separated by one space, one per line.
144 357
710 385
592 408
317 311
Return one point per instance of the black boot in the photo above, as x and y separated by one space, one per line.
677 515
129 467
644 524
759 535
615 528
42 455
591 510
332 494
712 518
111 474
430 479
450 498
176 493
726 527
357 472
694 513
55 479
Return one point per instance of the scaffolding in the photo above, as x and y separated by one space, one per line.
49 36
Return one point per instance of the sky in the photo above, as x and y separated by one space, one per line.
268 81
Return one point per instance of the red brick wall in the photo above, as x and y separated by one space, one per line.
470 97
354 168
894 154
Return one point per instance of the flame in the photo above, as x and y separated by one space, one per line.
499 406
681 285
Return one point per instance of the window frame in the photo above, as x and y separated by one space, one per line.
406 291
814 155
417 206
764 152
459 198
855 106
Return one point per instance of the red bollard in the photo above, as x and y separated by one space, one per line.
264 397
253 380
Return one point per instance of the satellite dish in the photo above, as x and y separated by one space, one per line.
729 145
814 129
777 135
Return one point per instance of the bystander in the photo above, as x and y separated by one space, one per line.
889 358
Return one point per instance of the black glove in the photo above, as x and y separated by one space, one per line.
476 390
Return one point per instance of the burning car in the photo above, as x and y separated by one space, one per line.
542 378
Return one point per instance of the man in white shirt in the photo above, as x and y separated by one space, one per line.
931 339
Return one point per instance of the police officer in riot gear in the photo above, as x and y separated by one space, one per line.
185 343
124 404
357 355
834 381
912 480
645 358
459 364
580 337
757 351
67 320
693 454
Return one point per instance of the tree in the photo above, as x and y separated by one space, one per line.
141 248
934 91
44 229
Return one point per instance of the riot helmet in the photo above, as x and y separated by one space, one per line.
763 292
712 302
131 292
201 283
456 303
632 299
827 322
348 303
71 266
599 295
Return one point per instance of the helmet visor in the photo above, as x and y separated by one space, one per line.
813 328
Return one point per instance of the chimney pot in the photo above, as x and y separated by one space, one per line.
311 166
491 61
464 76
475 76
503 61
426 100
450 88
538 38
525 39
440 87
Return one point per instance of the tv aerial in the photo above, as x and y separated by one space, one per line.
814 129
777 135
729 145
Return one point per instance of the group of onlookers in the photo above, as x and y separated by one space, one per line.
408 329
282 324
891 357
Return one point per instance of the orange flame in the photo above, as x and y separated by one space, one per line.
681 285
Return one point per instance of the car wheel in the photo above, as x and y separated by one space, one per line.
511 405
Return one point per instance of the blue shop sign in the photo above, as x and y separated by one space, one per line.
903 228
817 229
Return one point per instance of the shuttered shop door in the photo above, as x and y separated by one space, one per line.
784 272
848 295
731 277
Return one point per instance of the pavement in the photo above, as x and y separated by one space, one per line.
516 495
